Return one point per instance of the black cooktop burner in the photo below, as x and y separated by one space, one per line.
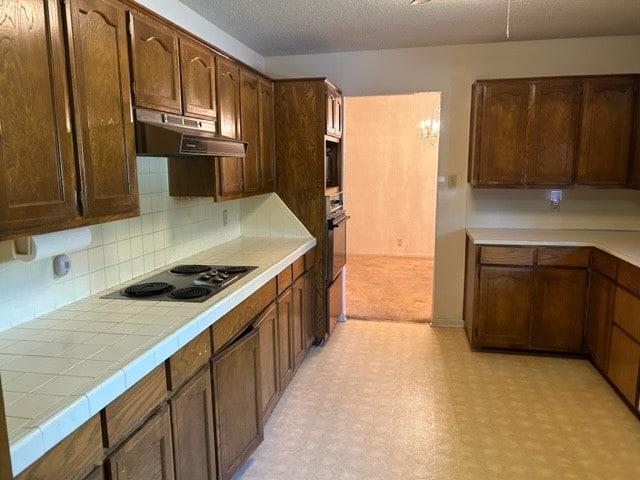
190 269
147 289
232 269
189 293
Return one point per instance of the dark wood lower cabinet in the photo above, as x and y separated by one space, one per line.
504 307
624 363
285 327
560 296
309 308
602 292
192 428
145 455
298 341
267 326
237 401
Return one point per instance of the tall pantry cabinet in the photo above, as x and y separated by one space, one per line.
308 118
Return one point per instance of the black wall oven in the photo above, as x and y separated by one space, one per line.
336 258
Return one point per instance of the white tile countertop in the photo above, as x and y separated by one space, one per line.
60 369
622 244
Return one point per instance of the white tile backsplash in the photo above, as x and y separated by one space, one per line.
167 230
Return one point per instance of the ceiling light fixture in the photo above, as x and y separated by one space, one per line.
418 2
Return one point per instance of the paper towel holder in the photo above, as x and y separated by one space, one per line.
61 265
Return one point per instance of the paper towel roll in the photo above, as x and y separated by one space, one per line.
29 249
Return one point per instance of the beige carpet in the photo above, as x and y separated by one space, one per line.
389 288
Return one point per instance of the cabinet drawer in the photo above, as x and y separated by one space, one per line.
189 359
285 278
629 277
564 256
129 409
75 457
233 323
507 255
604 263
298 267
310 258
627 313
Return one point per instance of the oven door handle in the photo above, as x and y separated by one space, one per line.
336 222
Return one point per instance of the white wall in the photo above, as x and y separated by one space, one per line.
452 70
389 175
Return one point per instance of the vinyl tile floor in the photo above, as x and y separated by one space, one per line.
383 400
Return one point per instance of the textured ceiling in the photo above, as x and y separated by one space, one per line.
289 27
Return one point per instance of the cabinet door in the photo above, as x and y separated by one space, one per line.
504 309
192 422
37 160
156 65
634 171
267 139
605 131
552 129
331 100
229 173
102 104
250 128
285 330
228 91
602 293
624 362
267 327
198 70
559 309
337 116
501 122
298 342
237 399
147 453
309 308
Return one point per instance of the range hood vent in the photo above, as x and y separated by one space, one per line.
166 135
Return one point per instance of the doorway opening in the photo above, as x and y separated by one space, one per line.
390 182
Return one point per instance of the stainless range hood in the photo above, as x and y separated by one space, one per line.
168 135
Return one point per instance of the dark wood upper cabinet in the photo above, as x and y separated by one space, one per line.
498 131
634 170
198 71
37 159
552 132
334 112
228 91
267 139
555 132
250 127
102 105
606 131
156 64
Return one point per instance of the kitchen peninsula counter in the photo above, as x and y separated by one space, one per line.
62 368
624 245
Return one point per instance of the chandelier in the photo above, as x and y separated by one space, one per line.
429 128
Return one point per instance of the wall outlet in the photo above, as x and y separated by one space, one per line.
399 242
225 219
452 181
555 197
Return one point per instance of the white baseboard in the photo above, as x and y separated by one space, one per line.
447 322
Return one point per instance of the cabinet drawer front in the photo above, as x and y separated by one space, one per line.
604 263
310 258
627 313
629 277
285 278
189 359
74 457
507 255
298 267
564 256
233 323
127 411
